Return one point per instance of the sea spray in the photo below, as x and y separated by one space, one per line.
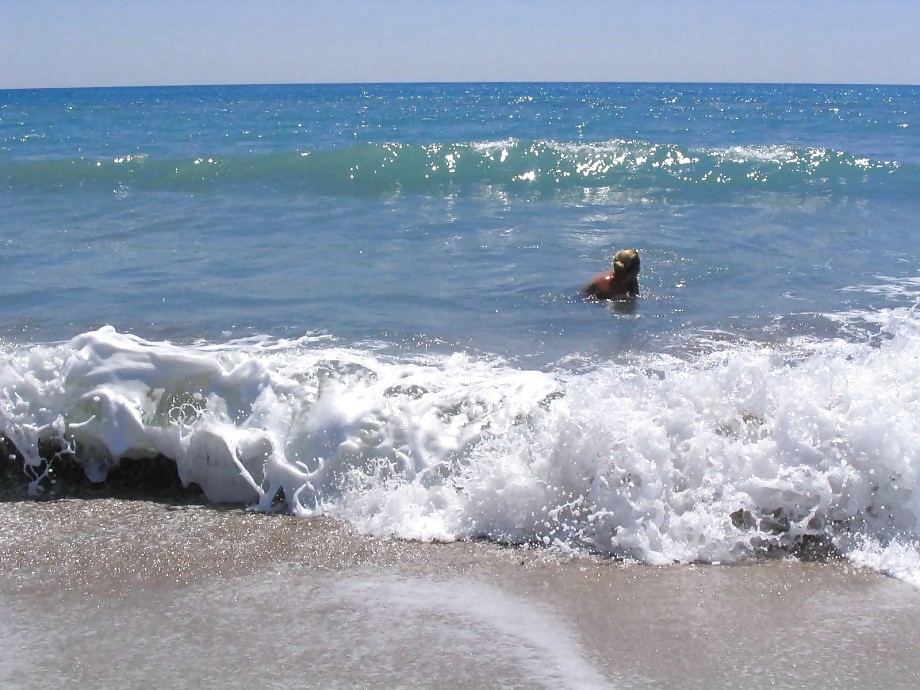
748 449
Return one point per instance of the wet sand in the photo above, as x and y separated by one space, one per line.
117 593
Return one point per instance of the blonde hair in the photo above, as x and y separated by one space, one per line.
626 260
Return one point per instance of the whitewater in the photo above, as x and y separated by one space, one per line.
729 454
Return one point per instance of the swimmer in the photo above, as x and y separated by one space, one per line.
622 281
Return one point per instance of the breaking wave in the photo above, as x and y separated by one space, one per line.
713 457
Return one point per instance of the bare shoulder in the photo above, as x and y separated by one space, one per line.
600 285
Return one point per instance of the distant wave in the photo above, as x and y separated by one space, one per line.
512 166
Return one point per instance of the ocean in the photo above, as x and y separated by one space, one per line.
356 309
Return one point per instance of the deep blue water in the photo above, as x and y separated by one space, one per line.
460 216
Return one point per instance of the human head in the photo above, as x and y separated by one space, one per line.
626 261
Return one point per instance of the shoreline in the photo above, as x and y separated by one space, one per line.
218 595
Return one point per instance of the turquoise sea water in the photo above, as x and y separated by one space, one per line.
366 296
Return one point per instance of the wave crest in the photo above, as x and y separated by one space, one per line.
513 166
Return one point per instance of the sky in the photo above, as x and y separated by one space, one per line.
63 43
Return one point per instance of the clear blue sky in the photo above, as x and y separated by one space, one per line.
145 42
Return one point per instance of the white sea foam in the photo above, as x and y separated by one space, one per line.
711 457
897 558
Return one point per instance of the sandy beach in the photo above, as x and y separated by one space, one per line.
119 593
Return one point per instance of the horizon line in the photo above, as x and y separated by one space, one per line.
457 82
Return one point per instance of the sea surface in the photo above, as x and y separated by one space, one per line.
362 302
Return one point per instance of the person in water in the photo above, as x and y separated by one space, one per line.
622 281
